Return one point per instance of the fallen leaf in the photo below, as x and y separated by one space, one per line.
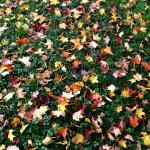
122 143
139 113
78 138
22 41
62 131
10 135
134 122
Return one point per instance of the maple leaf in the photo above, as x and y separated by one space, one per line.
146 65
62 131
39 112
106 51
77 115
20 93
25 61
67 95
104 67
84 1
119 108
63 39
126 92
139 113
137 77
122 143
93 44
137 59
47 140
146 138
134 121
9 96
15 122
129 137
10 135
76 64
23 128
54 2
111 88
76 42
119 74
93 79
49 44
22 41
116 131
78 138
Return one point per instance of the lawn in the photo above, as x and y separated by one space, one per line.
74 75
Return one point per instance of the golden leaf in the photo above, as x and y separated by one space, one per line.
93 79
78 138
122 143
139 113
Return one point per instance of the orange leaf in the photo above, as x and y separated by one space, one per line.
23 41
15 122
137 59
62 131
106 51
134 121
146 66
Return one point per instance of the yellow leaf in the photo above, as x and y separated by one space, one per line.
58 64
54 2
89 58
139 113
146 138
80 24
23 128
84 1
122 143
102 11
114 16
119 108
93 79
8 11
75 41
78 138
87 120
132 80
2 147
76 15
10 135
112 94
63 39
143 29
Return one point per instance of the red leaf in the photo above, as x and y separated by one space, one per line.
118 41
94 96
87 133
120 125
104 67
134 122
146 65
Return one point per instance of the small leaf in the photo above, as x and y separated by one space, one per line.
78 138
